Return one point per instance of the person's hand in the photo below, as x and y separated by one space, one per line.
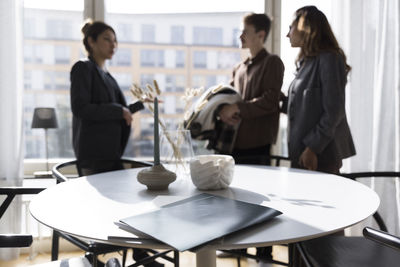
229 114
127 115
308 159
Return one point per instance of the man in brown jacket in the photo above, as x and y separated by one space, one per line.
259 80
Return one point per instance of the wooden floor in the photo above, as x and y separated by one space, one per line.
187 259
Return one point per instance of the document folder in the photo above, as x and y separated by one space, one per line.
194 221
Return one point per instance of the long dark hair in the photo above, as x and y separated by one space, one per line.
93 29
318 35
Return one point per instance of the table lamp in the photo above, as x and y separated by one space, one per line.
44 118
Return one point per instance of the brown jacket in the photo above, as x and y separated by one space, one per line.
259 81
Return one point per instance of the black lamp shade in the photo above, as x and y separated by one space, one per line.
44 118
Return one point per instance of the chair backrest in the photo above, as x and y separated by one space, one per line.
356 175
60 175
382 238
15 240
66 170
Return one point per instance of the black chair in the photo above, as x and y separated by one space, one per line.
382 238
25 240
276 161
93 249
354 251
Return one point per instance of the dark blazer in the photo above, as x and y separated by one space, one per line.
99 130
316 110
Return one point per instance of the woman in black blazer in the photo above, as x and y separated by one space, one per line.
101 118
319 135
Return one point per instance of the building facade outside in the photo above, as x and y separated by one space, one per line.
178 50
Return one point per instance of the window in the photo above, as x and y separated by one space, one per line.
56 80
236 37
179 59
177 34
29 28
146 79
33 53
148 33
62 54
124 32
173 47
207 36
61 80
204 80
227 60
200 59
59 29
28 79
175 83
152 58
46 72
122 57
124 80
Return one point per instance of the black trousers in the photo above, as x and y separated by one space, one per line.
257 155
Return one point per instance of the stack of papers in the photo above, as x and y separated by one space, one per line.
197 220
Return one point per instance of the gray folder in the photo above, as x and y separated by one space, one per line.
194 221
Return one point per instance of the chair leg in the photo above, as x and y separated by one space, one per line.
238 261
291 252
54 246
176 258
124 253
94 263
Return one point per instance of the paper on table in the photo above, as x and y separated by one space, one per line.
197 220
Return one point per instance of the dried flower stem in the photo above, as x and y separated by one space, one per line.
149 95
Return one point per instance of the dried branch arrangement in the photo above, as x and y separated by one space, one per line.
147 96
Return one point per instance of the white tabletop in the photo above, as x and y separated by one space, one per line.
313 204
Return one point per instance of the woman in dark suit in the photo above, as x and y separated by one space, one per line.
101 118
319 135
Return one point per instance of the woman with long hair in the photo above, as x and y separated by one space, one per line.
319 136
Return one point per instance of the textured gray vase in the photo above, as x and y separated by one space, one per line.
156 177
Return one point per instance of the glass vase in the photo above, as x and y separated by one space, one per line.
176 151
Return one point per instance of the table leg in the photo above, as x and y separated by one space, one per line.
206 258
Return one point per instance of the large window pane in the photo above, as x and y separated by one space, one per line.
207 36
177 34
180 45
52 43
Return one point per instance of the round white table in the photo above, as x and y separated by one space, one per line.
313 204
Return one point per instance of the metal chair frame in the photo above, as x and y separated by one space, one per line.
380 236
95 248
15 240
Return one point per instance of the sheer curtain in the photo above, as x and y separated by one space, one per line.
11 89
369 32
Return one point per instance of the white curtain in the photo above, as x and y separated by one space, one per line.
368 30
11 110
